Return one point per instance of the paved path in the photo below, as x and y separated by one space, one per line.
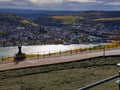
46 61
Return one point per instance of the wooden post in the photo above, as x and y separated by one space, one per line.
90 49
71 51
60 53
38 55
49 54
44 55
76 51
2 59
80 49
104 51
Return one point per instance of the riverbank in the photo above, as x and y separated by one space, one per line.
64 53
67 57
43 49
69 75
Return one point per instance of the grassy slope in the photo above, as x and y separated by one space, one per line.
67 19
12 19
65 76
28 22
93 16
108 19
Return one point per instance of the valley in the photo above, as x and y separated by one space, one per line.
57 27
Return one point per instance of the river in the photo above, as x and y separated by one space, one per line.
42 49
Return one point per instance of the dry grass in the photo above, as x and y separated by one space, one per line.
67 19
66 76
7 59
70 79
28 22
108 19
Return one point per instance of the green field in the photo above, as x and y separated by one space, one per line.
64 76
67 19
71 19
108 19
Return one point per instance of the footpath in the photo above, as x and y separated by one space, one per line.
55 60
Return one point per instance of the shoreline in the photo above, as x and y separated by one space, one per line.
46 49
56 44
55 60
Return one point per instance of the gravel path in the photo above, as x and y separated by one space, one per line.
46 61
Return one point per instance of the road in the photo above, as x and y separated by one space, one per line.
54 60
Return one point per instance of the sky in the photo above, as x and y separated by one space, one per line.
77 5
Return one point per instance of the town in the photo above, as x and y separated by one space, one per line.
72 34
15 30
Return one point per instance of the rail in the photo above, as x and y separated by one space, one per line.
52 54
99 82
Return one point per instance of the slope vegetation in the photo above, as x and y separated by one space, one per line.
10 19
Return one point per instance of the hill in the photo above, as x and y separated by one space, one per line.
59 19
67 19
108 19
47 15
10 19
54 27
100 14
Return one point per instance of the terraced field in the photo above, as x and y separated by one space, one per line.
67 19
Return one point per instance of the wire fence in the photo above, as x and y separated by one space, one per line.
60 53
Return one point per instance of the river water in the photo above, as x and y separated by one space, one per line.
42 49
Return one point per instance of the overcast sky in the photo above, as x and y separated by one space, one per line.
62 4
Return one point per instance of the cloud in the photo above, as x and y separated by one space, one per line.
62 4
45 1
87 1
114 3
62 1
5 0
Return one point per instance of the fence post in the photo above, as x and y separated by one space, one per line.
49 54
103 50
2 59
90 49
38 55
44 55
60 53
108 47
76 51
71 51
80 50
99 47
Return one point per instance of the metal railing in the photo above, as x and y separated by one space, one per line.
100 82
52 54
